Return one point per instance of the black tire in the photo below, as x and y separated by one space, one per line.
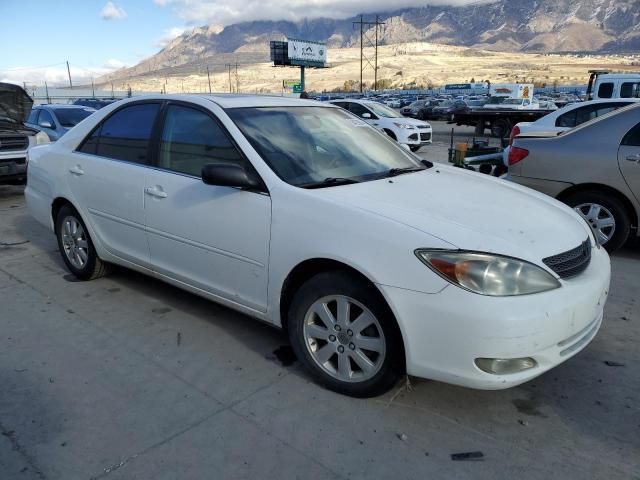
415 148
391 134
93 267
346 284
500 128
617 209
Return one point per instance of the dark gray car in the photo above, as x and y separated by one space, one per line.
594 168
56 120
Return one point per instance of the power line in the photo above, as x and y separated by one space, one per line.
371 43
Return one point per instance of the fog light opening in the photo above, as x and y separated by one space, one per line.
505 366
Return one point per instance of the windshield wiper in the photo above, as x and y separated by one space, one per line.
330 182
394 172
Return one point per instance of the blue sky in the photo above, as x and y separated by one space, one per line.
74 30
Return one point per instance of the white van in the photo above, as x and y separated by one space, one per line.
604 85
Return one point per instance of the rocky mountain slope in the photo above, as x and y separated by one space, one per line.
605 26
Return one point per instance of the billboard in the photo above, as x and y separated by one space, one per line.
304 52
466 86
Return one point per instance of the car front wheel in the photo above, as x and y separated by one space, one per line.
415 148
345 335
606 216
76 247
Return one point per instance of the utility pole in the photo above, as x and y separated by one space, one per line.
112 90
69 72
46 89
375 69
93 91
209 78
237 80
363 57
228 66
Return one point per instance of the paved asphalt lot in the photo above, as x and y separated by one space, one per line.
128 378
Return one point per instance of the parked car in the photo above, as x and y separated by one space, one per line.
425 111
15 136
570 116
477 103
594 168
412 109
56 120
406 131
448 109
96 103
303 216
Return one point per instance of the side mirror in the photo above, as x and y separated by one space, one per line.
45 124
229 175
366 115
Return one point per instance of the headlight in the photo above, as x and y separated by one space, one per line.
488 274
42 137
404 125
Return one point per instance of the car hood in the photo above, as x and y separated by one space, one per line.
470 211
15 103
410 121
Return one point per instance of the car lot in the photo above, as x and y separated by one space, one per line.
126 377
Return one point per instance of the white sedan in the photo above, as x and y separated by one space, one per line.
406 131
303 216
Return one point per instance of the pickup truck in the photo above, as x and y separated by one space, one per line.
15 136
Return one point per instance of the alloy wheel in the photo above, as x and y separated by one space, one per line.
344 338
74 241
600 219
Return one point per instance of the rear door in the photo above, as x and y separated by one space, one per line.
210 237
629 159
107 176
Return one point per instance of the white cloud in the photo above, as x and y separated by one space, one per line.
57 75
169 34
111 11
226 12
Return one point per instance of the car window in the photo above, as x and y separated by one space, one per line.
632 137
46 117
605 90
191 139
309 144
630 90
358 109
125 134
33 116
70 117
567 120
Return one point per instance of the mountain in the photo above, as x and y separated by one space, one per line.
584 26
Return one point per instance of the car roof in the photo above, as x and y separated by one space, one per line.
240 100
55 106
357 100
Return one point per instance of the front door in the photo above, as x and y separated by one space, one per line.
210 237
629 159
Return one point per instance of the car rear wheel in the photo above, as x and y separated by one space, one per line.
500 128
76 247
345 335
606 216
415 148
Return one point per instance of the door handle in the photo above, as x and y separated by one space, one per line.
77 170
633 158
155 192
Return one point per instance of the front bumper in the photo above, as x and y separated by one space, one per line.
422 136
445 332
13 167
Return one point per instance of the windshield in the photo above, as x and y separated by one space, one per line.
70 117
382 110
496 100
303 145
